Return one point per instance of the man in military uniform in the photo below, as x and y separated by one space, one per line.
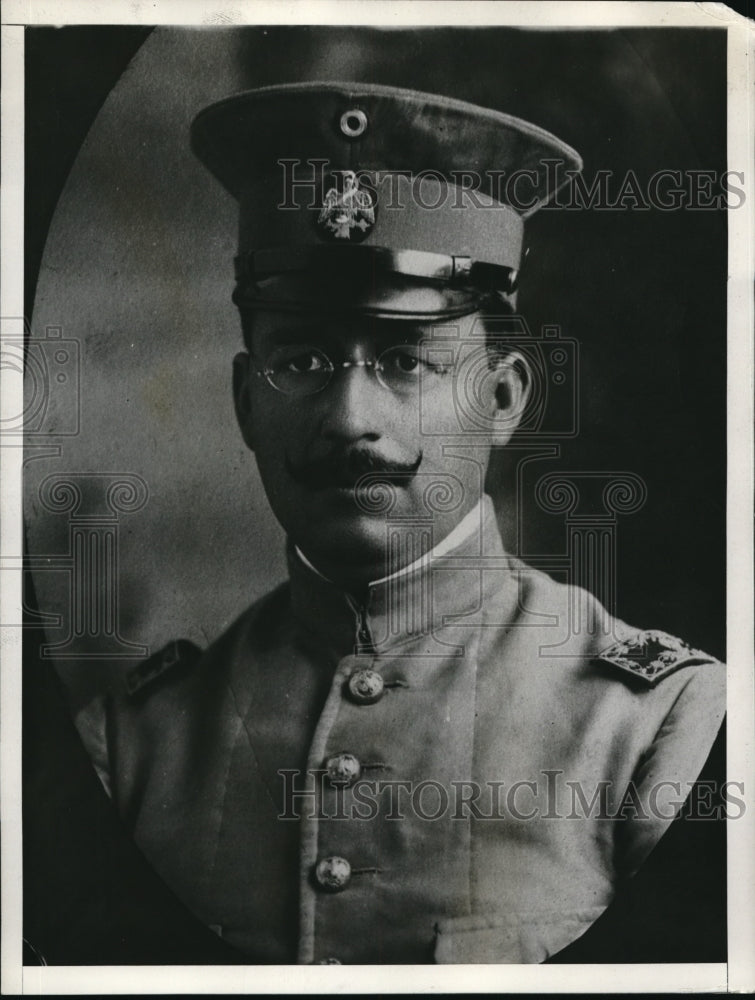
418 749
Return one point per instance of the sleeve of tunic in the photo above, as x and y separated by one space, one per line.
671 764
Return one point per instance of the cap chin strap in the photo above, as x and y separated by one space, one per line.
456 271
314 306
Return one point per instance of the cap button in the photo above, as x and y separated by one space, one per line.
366 686
353 123
343 769
333 874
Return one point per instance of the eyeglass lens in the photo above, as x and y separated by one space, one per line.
301 369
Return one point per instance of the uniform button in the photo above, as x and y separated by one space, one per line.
343 769
366 686
333 874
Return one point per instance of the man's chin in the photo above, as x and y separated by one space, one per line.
345 537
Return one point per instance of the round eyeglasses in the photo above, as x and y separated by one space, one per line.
302 370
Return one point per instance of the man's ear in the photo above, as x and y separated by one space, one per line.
512 394
242 389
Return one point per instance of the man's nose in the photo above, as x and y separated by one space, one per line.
355 404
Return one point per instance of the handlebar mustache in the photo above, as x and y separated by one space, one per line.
344 469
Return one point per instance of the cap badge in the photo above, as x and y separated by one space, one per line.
348 214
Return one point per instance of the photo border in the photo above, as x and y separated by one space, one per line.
738 974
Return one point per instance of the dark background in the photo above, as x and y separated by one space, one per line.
644 292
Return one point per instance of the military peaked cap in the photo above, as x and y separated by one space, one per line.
384 200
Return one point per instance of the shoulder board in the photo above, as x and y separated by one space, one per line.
180 652
651 655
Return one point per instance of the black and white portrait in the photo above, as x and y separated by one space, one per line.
375 493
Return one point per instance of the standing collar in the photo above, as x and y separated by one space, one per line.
444 582
468 525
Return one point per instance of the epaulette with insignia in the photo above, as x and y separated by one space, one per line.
651 655
180 652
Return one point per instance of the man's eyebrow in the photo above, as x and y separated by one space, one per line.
407 334
284 334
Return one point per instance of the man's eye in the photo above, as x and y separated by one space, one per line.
410 362
304 362
403 361
407 362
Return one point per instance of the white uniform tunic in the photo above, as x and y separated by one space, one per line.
470 734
